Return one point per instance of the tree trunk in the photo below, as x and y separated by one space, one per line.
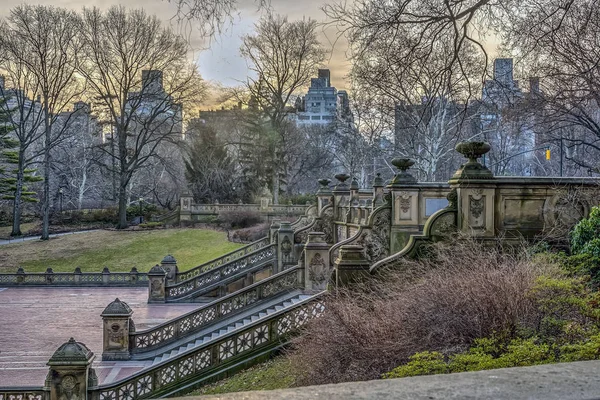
275 186
122 205
46 199
16 226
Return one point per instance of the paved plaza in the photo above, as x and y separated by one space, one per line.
34 322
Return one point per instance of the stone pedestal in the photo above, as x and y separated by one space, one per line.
185 206
404 191
169 264
116 325
324 195
317 269
475 191
70 373
285 246
377 192
273 229
351 265
341 201
157 280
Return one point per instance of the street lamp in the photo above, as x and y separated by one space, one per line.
141 215
60 200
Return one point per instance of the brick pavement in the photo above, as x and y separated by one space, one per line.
34 322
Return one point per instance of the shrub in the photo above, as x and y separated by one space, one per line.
151 225
442 304
249 235
240 219
584 236
424 363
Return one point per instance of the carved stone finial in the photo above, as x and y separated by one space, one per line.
71 353
324 190
378 181
402 178
117 308
472 169
169 259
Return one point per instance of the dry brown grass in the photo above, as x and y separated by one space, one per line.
442 304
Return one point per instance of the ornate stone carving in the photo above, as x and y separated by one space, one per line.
404 199
376 241
452 198
444 225
476 207
316 270
325 225
286 246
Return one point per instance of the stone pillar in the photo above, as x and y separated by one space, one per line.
273 230
105 275
317 269
323 195
20 275
377 191
341 201
169 264
404 191
351 265
157 280
70 373
354 212
116 325
285 242
475 191
186 200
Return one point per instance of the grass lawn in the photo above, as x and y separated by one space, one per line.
25 227
119 251
273 374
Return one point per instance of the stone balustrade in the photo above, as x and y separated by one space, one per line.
76 278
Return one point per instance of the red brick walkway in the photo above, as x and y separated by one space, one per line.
34 322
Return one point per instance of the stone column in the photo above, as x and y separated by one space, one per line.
341 200
116 325
70 373
186 200
323 195
317 270
273 229
377 191
351 265
285 246
353 213
475 191
157 280
404 191
169 264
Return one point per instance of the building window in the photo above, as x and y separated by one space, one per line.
316 117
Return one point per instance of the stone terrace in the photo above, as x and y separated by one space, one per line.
34 322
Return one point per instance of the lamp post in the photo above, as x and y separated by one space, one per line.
141 215
60 201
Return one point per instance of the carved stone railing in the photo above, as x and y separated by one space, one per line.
197 320
217 356
440 224
224 259
24 393
76 278
218 276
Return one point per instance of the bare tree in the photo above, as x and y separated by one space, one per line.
139 73
283 56
39 44
563 49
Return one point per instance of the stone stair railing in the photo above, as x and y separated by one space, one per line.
224 354
24 393
220 276
225 307
224 259
75 279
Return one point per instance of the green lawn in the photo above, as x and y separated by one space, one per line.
273 374
119 251
25 227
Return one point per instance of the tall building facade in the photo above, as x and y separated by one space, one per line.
323 104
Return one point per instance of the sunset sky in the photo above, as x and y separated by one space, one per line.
219 59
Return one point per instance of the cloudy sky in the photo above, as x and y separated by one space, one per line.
219 59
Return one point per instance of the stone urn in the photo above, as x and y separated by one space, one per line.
342 186
402 177
472 169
